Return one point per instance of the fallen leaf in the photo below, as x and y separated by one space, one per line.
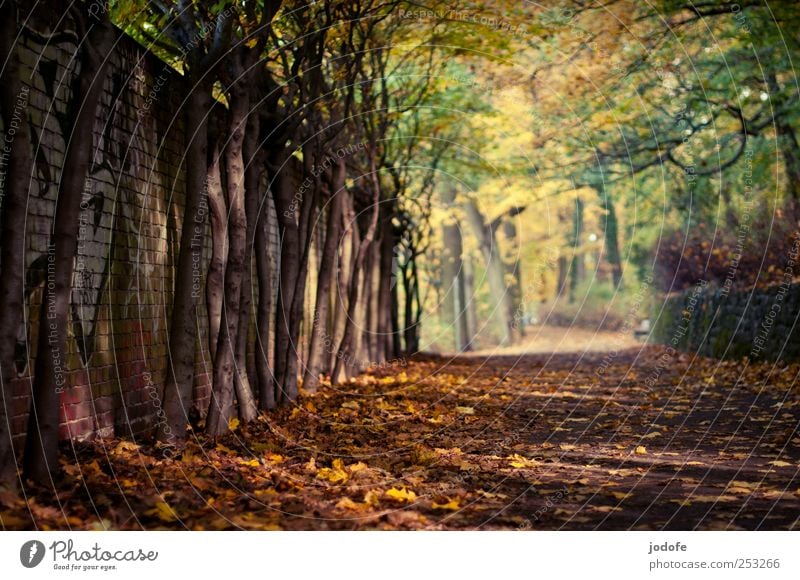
402 494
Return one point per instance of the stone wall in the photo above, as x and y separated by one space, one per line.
128 241
759 324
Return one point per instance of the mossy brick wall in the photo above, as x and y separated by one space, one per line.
762 324
128 240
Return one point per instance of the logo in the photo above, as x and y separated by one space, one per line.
31 553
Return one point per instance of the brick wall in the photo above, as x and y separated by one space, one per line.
128 240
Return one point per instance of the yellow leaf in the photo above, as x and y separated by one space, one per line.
521 462
402 494
651 435
275 458
124 446
233 424
565 447
640 450
347 503
371 498
451 505
163 512
356 467
780 464
465 410
335 474
251 463
353 405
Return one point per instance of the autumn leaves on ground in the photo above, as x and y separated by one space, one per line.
639 439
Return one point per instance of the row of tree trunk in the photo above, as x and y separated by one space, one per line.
272 153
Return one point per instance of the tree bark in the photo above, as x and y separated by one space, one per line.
513 271
321 340
503 311
344 366
14 97
452 278
266 380
221 408
289 239
41 444
183 328
252 191
219 251
385 348
611 236
577 270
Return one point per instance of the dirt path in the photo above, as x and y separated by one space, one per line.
630 440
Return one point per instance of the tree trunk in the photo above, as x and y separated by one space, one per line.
266 380
513 272
452 278
286 211
252 191
321 340
343 369
372 332
577 270
385 349
562 276
396 346
221 408
611 235
348 249
41 445
14 101
219 251
183 328
469 296
495 271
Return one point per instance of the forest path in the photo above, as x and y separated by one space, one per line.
632 440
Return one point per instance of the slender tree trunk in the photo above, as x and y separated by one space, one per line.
495 272
14 98
266 380
396 345
320 339
611 235
219 251
372 332
386 280
343 369
514 273
348 249
562 275
413 340
452 277
183 328
252 191
41 445
577 270
286 210
469 296
221 408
